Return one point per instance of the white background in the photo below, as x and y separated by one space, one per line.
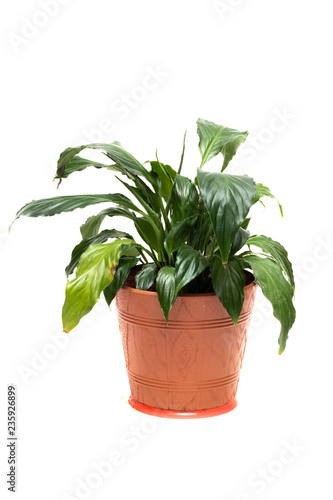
240 64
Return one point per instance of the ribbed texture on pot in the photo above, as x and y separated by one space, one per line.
191 363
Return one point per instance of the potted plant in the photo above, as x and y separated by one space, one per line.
184 292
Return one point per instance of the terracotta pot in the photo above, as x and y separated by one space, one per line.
189 367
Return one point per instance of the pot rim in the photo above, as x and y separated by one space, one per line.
210 294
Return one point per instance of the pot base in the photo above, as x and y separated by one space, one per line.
159 412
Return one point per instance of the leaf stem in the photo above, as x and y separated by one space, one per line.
182 156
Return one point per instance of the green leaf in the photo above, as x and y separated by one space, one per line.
215 139
123 269
239 241
151 215
151 198
145 277
147 233
184 199
77 164
277 251
179 234
228 283
170 171
114 151
134 250
165 287
163 173
277 290
246 223
228 199
92 225
52 206
189 264
94 273
262 191
84 244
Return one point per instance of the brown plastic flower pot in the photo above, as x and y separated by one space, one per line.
190 367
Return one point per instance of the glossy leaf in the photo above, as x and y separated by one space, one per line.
84 244
123 269
228 282
114 151
228 199
147 233
277 290
179 234
166 181
77 164
92 225
151 215
94 273
189 264
215 139
59 204
246 223
239 241
150 197
262 191
277 251
184 199
170 171
145 277
165 287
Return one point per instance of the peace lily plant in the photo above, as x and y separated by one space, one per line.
195 233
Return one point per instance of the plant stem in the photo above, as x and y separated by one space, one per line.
144 257
182 157
165 217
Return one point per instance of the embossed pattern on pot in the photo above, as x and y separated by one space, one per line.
190 364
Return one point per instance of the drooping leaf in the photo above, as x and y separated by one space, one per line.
144 226
94 273
277 290
215 139
189 264
277 251
239 241
114 151
122 271
165 287
92 225
77 164
84 244
228 199
179 234
262 191
52 206
228 282
145 277
184 199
